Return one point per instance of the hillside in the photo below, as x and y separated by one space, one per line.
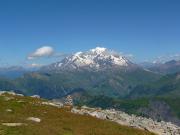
164 93
26 116
168 86
50 85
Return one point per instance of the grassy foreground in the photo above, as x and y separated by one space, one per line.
54 121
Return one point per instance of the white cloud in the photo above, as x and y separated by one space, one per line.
126 55
35 65
45 51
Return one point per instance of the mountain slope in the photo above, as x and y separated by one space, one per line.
111 83
166 91
27 116
168 85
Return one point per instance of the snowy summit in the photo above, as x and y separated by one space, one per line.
96 58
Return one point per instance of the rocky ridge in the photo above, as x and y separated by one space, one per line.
160 128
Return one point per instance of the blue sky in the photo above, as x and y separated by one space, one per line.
145 28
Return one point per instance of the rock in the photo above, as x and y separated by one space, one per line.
13 124
21 95
34 119
35 96
55 104
21 101
9 110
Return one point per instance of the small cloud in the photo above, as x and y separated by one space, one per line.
45 51
35 65
126 55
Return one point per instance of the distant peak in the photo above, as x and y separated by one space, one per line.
97 58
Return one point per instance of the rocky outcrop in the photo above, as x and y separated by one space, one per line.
161 128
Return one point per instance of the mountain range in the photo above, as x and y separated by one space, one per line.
97 71
103 78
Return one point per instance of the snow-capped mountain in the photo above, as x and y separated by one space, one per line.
97 58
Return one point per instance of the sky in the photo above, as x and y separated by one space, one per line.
147 29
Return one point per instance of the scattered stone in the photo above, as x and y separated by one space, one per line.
34 119
35 96
55 104
13 124
21 101
21 95
9 110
